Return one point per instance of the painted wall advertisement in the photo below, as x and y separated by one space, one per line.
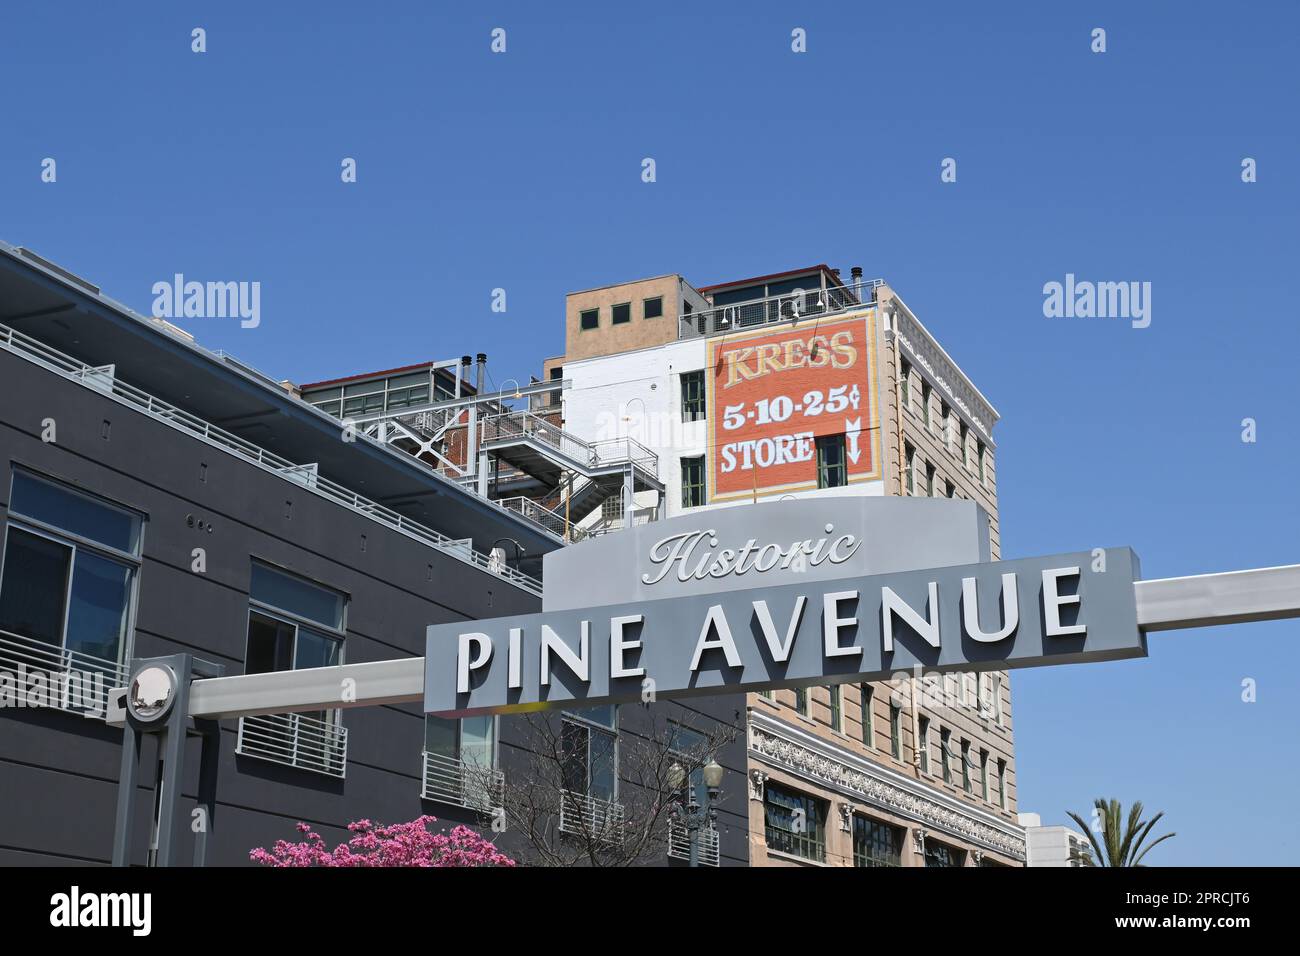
774 394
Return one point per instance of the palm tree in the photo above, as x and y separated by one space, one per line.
1121 848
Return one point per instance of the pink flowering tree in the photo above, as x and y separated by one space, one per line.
375 844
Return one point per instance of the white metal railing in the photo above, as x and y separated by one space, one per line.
777 308
69 680
601 454
586 816
27 347
296 740
550 519
461 783
679 843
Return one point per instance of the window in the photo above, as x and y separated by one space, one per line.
693 409
925 406
984 775
940 854
896 731
460 760
925 745
929 480
652 308
611 509
965 765
555 399
837 712
906 384
832 466
1002 784
69 572
589 751
965 453
909 457
945 753
876 843
589 319
693 482
471 740
407 390
801 702
868 721
794 823
292 624
979 458
688 746
621 314
947 489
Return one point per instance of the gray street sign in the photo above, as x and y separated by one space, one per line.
1061 609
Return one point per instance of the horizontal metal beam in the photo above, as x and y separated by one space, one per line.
1205 600
316 688
1229 597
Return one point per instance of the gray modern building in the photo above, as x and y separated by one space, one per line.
156 498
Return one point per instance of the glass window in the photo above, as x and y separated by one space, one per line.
653 308
979 455
693 408
1002 784
801 700
621 313
794 823
925 405
906 376
470 739
688 747
925 745
589 319
75 513
945 754
965 454
832 465
940 854
693 482
285 592
868 721
965 766
589 754
909 457
929 480
896 731
876 843
67 581
837 714
984 775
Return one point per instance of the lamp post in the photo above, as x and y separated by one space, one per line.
694 815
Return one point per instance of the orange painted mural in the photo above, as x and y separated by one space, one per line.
775 394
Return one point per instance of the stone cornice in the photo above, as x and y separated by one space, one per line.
805 755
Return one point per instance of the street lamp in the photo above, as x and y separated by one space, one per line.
694 815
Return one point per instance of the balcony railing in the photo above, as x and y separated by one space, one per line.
550 519
586 816
777 308
295 740
102 380
601 454
679 843
70 680
462 784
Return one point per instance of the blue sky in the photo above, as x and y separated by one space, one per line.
522 171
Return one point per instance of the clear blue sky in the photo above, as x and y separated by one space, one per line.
522 171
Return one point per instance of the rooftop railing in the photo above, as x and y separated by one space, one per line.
103 380
773 309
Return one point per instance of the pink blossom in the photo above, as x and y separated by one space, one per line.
376 844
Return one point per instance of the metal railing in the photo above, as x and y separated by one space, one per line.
70 680
295 740
27 347
461 783
586 816
551 520
679 843
777 308
600 454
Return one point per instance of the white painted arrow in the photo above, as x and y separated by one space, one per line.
851 428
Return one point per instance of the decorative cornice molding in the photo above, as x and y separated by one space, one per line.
928 357
768 744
